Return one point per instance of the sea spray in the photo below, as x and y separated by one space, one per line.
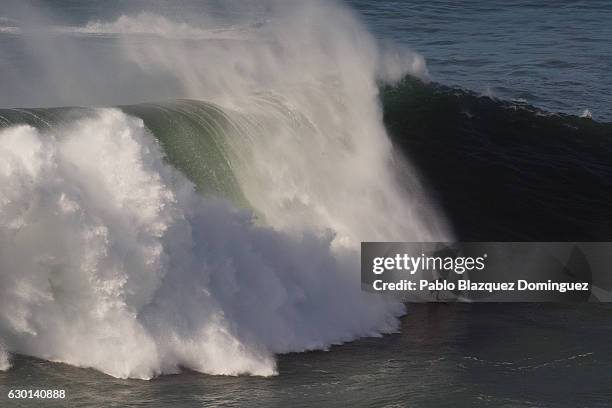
299 84
5 363
305 131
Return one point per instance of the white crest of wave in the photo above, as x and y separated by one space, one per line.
586 114
109 260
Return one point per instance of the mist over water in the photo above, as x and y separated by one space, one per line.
212 52
4 359
109 258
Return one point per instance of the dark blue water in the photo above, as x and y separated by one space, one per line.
554 54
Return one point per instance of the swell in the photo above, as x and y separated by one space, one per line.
503 171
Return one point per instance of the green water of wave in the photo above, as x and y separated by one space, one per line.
192 135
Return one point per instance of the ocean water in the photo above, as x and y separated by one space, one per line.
555 55
183 187
482 355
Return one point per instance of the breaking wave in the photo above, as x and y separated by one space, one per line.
208 233
111 261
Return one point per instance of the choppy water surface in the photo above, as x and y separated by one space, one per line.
556 55
447 355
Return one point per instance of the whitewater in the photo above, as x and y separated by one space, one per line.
210 232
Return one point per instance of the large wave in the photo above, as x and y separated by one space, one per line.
111 261
110 258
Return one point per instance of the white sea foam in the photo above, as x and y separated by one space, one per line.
110 260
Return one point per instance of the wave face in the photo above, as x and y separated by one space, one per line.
548 176
112 259
274 157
